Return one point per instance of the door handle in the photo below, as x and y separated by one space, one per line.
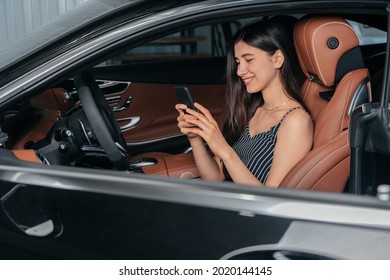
124 106
132 122
113 100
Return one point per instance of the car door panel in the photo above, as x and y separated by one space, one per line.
110 215
145 108
102 219
154 105
293 246
30 212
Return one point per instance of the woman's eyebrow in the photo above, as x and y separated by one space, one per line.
245 55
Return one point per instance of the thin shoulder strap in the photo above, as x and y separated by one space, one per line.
289 111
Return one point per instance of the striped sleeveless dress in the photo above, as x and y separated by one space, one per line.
257 152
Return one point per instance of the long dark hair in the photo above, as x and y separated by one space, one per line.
269 36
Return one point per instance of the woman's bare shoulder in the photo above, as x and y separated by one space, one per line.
297 118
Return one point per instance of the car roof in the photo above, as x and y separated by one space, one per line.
16 46
60 22
76 24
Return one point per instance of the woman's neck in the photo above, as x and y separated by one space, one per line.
274 97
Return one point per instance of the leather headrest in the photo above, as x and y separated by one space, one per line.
320 43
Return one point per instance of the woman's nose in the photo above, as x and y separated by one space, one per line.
241 71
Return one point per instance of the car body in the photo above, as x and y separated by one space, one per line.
80 206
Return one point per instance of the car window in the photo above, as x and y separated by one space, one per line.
192 43
211 41
368 35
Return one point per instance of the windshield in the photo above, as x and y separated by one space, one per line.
26 27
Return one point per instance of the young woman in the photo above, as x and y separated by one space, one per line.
267 129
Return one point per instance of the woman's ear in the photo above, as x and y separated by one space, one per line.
278 59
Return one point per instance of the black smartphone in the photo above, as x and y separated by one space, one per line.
184 97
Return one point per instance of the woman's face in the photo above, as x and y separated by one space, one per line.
256 68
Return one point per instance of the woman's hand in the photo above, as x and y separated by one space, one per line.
204 125
183 123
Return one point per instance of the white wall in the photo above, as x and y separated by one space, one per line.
18 17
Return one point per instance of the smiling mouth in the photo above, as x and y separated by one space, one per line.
247 81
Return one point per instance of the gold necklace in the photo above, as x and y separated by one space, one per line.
277 107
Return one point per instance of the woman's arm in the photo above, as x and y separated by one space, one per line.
295 140
210 168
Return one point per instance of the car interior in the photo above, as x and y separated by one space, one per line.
133 98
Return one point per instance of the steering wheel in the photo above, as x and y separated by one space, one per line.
102 120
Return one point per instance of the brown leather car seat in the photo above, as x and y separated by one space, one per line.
336 82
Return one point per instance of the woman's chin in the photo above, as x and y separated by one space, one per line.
250 91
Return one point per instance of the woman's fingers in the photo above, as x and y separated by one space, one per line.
203 114
185 120
180 107
202 109
200 123
196 122
186 127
